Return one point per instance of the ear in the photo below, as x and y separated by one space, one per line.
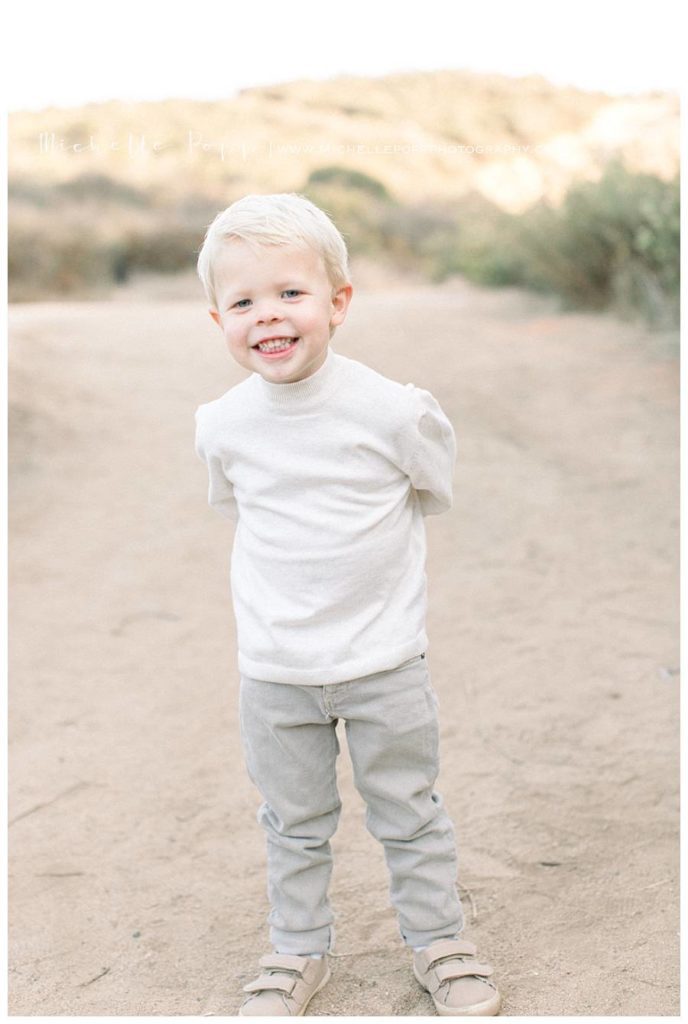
216 317
340 304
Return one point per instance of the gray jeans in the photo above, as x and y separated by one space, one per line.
290 745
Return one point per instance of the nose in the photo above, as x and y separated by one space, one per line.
267 313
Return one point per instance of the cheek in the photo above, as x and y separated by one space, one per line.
316 319
234 335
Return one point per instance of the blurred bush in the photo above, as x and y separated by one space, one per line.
433 238
102 188
347 178
611 244
80 237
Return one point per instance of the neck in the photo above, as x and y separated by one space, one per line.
297 393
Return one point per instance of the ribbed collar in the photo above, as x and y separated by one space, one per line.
299 394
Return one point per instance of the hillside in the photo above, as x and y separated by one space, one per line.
521 137
110 188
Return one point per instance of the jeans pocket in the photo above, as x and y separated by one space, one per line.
429 688
412 661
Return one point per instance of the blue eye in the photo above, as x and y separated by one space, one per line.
240 303
291 292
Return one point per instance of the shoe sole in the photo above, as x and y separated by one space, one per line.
488 1008
303 1009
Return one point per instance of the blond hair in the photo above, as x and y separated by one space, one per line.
282 219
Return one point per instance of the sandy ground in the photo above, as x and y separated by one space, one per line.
137 866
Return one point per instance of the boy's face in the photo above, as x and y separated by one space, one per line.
277 291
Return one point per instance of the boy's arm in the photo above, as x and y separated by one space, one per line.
433 455
220 490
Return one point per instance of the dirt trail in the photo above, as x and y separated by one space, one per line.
137 867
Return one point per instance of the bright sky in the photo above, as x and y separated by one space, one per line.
71 52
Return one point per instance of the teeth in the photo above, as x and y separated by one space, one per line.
275 345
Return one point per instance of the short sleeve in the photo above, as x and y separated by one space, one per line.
432 463
220 489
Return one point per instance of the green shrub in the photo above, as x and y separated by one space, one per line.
347 178
612 244
166 250
103 188
42 265
357 214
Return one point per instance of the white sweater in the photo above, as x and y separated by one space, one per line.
328 479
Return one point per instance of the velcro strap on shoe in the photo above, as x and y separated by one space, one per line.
284 962
452 969
272 983
447 947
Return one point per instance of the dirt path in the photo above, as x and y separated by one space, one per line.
137 867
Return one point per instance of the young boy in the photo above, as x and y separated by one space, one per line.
328 468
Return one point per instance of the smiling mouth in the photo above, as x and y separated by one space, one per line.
275 345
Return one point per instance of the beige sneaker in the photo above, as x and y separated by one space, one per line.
286 986
458 983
